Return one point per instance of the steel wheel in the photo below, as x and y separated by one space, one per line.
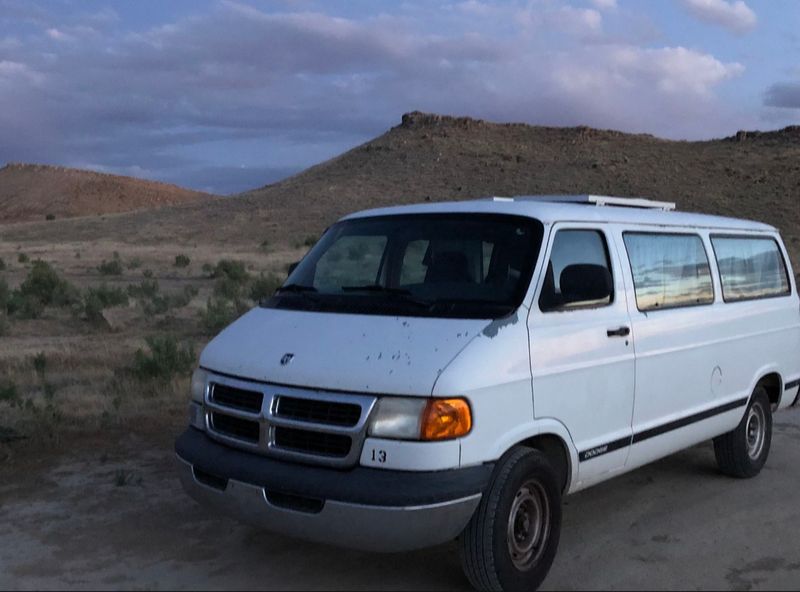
528 525
755 431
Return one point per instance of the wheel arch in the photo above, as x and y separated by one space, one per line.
557 452
772 381
551 437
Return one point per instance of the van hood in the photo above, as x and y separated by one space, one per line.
359 353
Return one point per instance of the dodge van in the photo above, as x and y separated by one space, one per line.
452 370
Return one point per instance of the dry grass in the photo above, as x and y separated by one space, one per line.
86 384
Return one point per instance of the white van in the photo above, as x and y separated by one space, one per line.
451 370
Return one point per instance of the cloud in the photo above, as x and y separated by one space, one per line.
783 95
188 100
604 4
733 15
579 22
57 35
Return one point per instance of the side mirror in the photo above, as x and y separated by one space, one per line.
585 283
291 267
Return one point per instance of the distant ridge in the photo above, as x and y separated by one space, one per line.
430 157
37 191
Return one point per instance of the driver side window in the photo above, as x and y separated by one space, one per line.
578 274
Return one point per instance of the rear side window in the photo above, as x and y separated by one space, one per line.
669 270
750 268
578 274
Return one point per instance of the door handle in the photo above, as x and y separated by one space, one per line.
620 332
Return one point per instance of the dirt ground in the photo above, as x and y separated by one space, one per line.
107 511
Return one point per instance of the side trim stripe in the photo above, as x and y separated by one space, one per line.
680 423
604 449
790 385
662 429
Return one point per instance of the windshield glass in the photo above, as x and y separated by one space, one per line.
443 265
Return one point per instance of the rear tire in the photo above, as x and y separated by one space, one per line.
511 540
743 452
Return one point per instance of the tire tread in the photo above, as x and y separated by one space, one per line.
476 543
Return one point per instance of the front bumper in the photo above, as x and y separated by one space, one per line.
361 508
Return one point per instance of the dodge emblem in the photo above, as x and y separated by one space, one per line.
286 359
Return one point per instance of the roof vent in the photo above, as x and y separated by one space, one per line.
604 200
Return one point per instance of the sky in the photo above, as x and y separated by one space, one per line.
229 95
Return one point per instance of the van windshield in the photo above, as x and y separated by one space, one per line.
436 265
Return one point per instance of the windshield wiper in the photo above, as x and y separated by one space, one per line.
452 303
399 293
375 288
300 288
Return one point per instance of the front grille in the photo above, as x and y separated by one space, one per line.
288 423
306 441
234 427
317 411
229 396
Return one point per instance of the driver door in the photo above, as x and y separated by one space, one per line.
582 355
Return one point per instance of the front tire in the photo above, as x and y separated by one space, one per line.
511 540
743 452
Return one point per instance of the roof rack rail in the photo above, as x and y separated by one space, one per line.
605 200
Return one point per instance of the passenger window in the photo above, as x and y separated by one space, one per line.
669 270
578 274
353 260
750 268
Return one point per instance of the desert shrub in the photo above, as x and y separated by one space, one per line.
208 269
2 264
4 325
108 296
164 360
134 263
49 390
232 279
264 286
9 392
50 217
23 258
42 287
232 269
182 298
123 478
229 289
310 240
182 260
40 363
97 299
219 313
148 273
147 288
113 267
154 302
264 244
5 295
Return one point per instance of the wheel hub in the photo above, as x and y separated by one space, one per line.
528 525
755 432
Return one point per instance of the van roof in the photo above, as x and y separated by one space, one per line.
576 208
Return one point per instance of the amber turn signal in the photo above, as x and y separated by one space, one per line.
445 418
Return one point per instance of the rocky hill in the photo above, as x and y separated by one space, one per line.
432 157
36 192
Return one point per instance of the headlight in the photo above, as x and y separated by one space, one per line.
420 418
199 381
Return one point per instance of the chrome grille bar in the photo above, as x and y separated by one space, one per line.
297 428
